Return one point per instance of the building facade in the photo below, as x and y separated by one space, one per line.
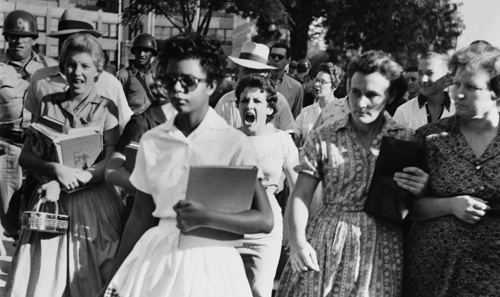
117 47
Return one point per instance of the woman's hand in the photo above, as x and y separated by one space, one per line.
190 215
303 257
469 209
84 177
412 179
51 189
68 177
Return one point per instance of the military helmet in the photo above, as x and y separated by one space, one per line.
21 23
145 41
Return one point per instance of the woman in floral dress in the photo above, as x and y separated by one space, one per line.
345 251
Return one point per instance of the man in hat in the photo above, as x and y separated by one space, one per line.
138 76
253 59
16 69
51 80
289 87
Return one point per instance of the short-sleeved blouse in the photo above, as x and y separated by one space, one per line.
94 110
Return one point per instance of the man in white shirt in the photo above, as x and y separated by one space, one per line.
433 103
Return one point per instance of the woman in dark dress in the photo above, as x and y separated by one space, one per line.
454 247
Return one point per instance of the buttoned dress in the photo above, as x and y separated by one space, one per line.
447 256
79 262
358 254
156 267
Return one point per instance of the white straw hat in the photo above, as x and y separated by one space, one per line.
254 56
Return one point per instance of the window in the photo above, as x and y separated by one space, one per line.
105 30
94 24
40 23
53 24
52 50
1 19
113 31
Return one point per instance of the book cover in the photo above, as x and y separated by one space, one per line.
221 188
130 155
77 148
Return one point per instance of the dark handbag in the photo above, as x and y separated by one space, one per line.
386 200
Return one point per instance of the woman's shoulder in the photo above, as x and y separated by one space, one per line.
442 126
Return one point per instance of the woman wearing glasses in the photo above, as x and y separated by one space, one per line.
156 266
276 155
326 82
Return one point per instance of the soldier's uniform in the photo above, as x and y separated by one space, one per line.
14 81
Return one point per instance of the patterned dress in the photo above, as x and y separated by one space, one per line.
358 255
446 256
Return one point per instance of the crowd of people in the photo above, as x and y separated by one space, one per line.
316 155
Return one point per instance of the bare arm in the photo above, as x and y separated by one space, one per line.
116 173
467 208
302 255
139 222
259 219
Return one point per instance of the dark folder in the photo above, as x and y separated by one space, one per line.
386 199
220 188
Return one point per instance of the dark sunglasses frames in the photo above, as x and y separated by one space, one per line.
187 81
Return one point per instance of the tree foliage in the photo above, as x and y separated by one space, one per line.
183 13
404 28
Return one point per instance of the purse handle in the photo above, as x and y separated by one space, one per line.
43 200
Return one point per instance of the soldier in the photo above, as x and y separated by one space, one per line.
16 69
138 76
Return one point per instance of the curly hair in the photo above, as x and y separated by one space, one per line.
480 56
82 43
194 46
376 61
265 85
335 72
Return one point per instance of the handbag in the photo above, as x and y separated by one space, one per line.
385 199
41 221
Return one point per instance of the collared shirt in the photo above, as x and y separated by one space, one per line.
136 86
50 80
293 92
94 110
314 116
165 155
414 113
333 151
226 108
332 112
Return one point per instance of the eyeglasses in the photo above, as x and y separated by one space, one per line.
188 82
321 81
276 56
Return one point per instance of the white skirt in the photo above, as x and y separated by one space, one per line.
157 267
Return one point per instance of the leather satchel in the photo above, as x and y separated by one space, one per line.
386 200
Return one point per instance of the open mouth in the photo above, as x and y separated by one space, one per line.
249 117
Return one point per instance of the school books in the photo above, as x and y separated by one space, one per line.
220 188
130 154
74 147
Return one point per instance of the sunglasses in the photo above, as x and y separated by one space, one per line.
188 82
276 56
